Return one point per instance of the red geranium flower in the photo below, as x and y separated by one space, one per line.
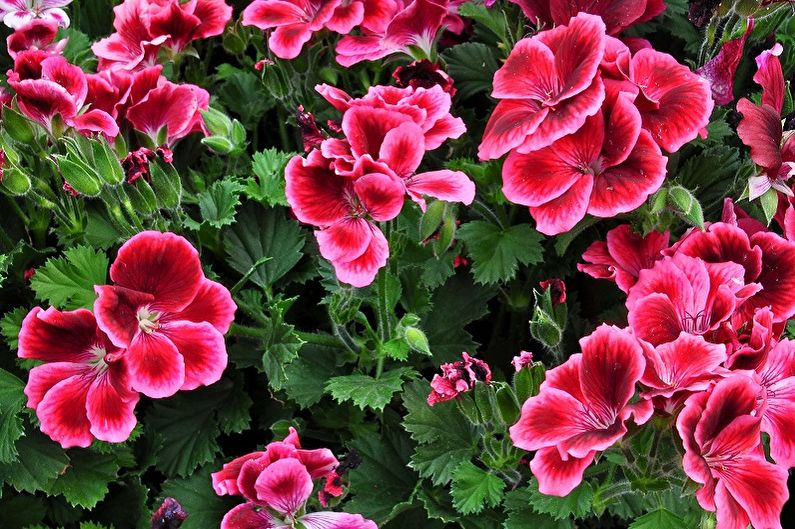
547 87
581 409
623 255
37 34
166 313
82 391
608 166
720 429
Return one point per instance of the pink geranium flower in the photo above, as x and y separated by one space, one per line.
276 484
683 293
169 317
776 376
416 26
623 255
720 429
35 35
294 21
761 128
170 111
48 86
617 14
522 360
17 13
547 88
608 166
582 408
132 46
82 391
458 377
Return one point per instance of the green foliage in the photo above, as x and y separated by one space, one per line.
577 504
472 65
39 463
496 253
474 489
196 495
12 399
85 481
366 391
68 282
267 186
659 519
218 204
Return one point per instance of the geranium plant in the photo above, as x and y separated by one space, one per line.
360 264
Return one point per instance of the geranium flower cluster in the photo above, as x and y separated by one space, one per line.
461 376
347 184
704 345
276 484
385 26
156 330
57 94
584 119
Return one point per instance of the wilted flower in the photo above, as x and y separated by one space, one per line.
458 377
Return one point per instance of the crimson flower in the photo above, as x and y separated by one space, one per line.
17 13
458 377
720 429
683 293
618 15
581 409
610 165
415 26
169 317
37 34
623 255
82 391
276 484
547 88
761 128
295 22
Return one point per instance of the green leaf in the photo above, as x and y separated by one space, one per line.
659 519
85 481
68 282
12 400
196 495
242 92
268 186
474 488
11 324
39 463
218 204
438 461
305 378
493 19
366 391
261 232
496 253
190 424
522 516
383 481
577 504
769 201
472 65
21 511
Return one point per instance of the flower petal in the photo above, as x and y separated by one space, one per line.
155 366
381 195
116 310
110 404
62 412
336 520
213 303
249 516
557 477
54 336
361 271
344 241
202 348
450 186
564 212
284 486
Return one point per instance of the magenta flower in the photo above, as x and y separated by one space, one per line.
582 408
720 429
777 379
617 14
82 391
608 166
458 377
547 88
623 254
172 111
17 13
522 360
276 484
169 317
35 35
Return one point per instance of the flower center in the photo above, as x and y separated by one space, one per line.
147 320
696 324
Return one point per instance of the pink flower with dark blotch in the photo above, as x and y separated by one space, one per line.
458 377
185 22
522 360
417 25
345 208
17 13
170 111
617 14
169 317
48 86
276 484
749 341
423 74
776 376
610 165
294 21
82 391
132 46
721 69
683 293
766 259
547 88
623 254
761 128
581 409
35 35
720 429
687 364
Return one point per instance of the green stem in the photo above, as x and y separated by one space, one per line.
484 211
319 339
